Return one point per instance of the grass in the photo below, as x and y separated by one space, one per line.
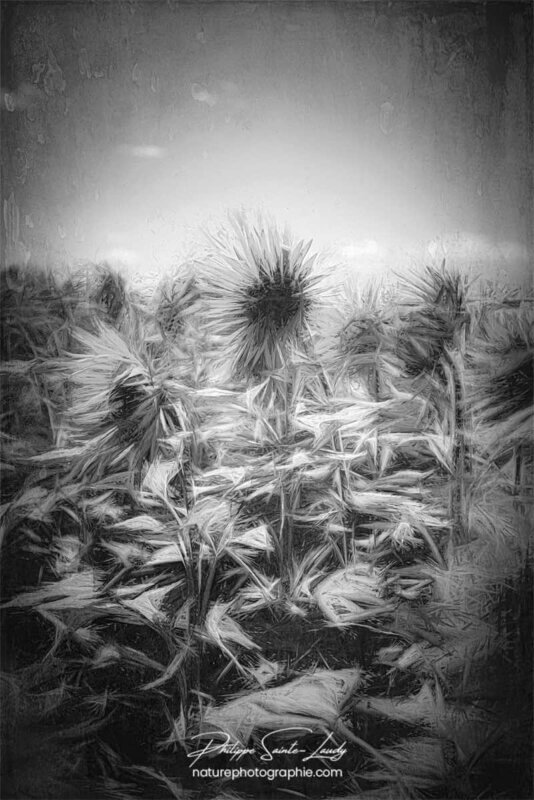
224 508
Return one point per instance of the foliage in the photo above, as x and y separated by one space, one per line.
219 515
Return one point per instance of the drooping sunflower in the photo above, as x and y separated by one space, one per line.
260 289
102 294
433 316
127 403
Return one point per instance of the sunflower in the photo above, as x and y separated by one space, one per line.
503 376
102 294
433 316
127 404
259 288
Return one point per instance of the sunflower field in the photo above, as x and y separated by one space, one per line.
249 513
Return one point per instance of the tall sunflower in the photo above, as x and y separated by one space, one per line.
259 286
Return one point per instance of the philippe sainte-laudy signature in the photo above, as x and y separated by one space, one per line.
326 751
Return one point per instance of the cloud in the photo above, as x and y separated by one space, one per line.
121 257
201 94
367 247
143 151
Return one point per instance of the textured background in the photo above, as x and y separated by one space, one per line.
391 133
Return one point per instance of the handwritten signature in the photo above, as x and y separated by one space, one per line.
266 751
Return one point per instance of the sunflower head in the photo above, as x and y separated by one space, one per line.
101 294
127 406
434 312
274 299
503 362
145 410
126 400
259 286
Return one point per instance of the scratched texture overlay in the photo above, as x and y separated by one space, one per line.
266 400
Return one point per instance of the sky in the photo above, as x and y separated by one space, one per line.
393 135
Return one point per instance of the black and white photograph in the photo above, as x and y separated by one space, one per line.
267 444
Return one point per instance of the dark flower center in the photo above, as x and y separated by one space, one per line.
276 298
125 399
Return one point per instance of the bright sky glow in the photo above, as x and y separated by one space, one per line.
328 116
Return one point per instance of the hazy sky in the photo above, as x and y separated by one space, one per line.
391 134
